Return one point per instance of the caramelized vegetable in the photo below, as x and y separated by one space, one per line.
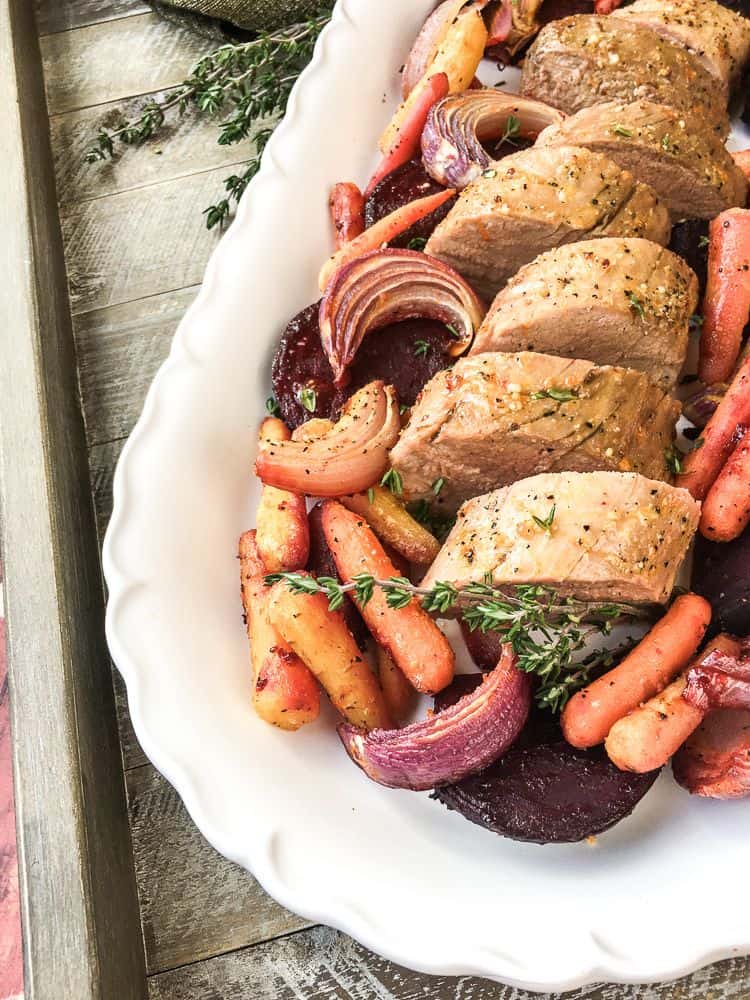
726 509
347 205
283 537
393 524
726 306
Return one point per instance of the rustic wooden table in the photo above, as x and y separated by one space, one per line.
136 248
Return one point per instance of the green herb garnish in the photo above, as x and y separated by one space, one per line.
437 486
621 130
559 395
421 347
636 305
392 480
673 458
272 407
418 243
545 523
371 495
703 241
308 398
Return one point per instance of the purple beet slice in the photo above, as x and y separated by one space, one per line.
406 183
405 355
542 790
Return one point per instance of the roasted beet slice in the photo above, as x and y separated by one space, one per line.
484 647
543 790
720 574
397 354
715 761
689 242
321 563
407 183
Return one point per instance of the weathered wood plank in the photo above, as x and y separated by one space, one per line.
11 959
102 461
184 146
139 243
79 906
194 903
132 754
117 60
321 964
61 15
119 351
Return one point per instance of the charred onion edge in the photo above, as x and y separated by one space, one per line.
350 458
718 681
458 124
452 744
429 39
387 286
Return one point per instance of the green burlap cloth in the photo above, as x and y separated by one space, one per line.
252 15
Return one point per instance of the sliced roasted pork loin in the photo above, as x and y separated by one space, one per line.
683 160
537 199
718 37
496 418
600 536
613 301
584 60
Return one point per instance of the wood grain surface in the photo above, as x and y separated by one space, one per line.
136 249
79 904
11 959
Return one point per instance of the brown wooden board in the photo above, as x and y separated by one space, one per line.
79 905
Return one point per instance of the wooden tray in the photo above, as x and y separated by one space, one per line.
78 895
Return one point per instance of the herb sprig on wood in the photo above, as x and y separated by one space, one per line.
246 86
548 632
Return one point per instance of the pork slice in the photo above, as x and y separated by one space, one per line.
614 536
585 60
496 418
538 199
678 155
719 38
613 301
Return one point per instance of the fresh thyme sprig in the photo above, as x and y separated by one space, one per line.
248 82
548 632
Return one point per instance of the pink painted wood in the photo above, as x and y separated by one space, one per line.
11 962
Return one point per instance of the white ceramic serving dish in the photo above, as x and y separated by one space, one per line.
661 894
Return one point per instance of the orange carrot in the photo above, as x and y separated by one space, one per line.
719 437
726 509
285 693
659 656
412 639
742 159
606 6
726 305
283 535
347 206
647 737
382 232
399 695
407 140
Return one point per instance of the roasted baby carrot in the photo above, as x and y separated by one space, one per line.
413 640
647 737
283 535
719 437
726 305
742 159
347 205
726 510
284 692
399 695
646 670
383 231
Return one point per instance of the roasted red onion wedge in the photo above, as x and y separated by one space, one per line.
715 761
719 681
350 458
386 286
457 126
450 745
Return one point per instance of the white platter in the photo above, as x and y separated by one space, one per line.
661 894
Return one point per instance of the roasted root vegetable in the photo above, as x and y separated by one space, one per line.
406 141
742 159
381 232
458 56
726 510
283 536
350 457
428 41
451 744
412 639
715 761
652 733
285 693
392 523
347 205
313 429
400 696
719 438
726 305
325 645
719 680
590 714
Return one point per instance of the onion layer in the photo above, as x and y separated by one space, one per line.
719 681
451 744
350 458
387 286
457 126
